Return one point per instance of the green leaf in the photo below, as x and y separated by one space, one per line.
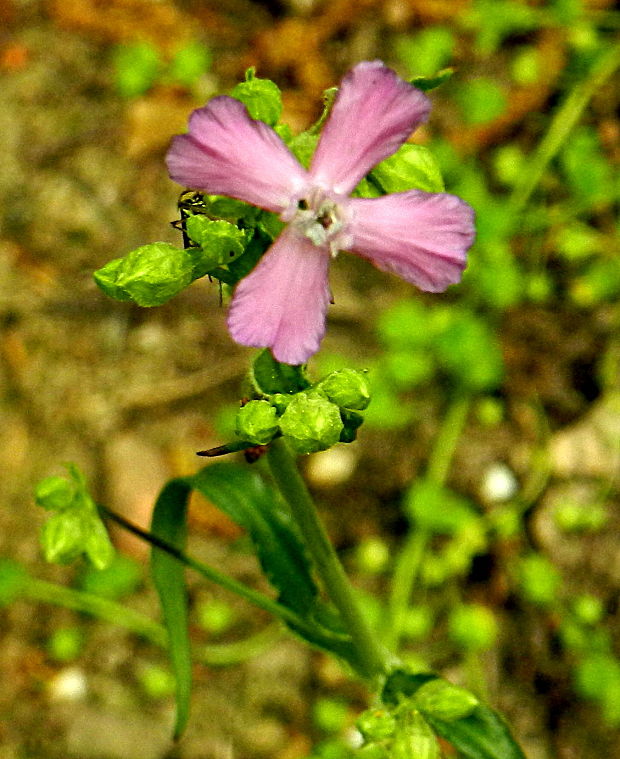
149 275
481 735
448 702
347 388
106 279
427 83
248 501
169 524
412 167
469 352
243 265
270 376
261 97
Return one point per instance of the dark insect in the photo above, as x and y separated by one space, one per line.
189 204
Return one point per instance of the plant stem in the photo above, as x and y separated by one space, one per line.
410 558
440 460
563 122
372 659
404 577
215 654
88 603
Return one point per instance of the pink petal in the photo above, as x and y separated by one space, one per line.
423 237
228 153
374 113
282 303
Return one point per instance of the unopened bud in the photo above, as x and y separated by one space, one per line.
257 422
54 493
311 422
347 388
439 698
414 738
376 724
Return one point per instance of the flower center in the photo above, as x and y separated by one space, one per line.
321 219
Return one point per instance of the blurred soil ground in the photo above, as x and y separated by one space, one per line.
130 394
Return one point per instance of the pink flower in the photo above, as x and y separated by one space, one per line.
423 237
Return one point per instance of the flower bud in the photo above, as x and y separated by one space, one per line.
347 388
373 751
54 493
376 724
439 698
414 738
311 422
257 422
62 537
280 401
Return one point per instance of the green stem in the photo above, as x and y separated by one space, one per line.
215 654
372 659
403 580
410 558
224 581
103 608
563 122
447 439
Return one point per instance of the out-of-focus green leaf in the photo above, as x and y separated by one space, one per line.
426 52
437 509
189 63
136 67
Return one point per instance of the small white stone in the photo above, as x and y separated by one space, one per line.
68 685
331 467
498 483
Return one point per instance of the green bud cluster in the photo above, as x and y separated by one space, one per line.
401 733
311 419
404 727
75 527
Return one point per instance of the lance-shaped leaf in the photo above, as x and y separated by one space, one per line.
248 501
169 524
483 734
